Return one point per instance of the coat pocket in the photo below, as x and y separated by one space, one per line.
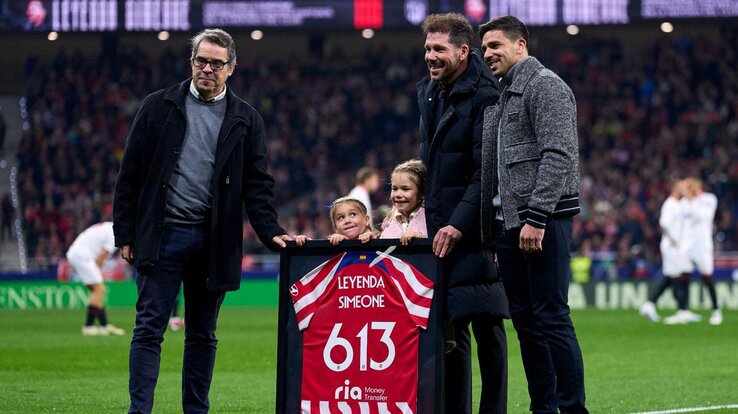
522 162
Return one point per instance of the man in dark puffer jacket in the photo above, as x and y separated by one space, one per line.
452 100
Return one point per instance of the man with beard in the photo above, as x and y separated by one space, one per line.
452 99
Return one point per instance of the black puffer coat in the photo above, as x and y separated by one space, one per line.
452 157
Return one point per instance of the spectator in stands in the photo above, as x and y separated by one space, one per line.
452 98
86 257
178 214
367 183
530 181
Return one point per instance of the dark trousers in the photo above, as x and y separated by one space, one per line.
492 354
537 287
182 260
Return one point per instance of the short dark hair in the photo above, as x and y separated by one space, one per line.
510 26
459 30
218 36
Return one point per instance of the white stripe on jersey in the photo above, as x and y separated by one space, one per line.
413 281
404 407
413 309
318 291
344 407
304 322
382 255
413 292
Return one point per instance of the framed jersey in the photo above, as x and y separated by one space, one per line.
360 329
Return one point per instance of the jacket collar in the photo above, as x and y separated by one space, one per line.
235 107
194 92
476 74
524 70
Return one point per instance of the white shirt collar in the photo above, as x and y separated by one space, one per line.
402 219
196 94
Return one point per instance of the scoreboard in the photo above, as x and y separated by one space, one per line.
188 15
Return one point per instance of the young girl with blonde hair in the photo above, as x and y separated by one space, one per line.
350 222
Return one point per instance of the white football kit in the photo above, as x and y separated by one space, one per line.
697 235
671 220
362 195
84 251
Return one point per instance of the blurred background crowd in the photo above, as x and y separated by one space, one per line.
666 108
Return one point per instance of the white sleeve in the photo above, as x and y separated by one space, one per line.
109 244
705 208
667 218
361 195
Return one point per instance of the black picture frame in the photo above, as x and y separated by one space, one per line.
295 262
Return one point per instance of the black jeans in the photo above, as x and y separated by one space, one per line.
182 260
537 287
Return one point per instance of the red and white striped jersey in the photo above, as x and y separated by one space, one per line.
360 314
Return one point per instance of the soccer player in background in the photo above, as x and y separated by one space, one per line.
367 183
673 259
86 256
699 249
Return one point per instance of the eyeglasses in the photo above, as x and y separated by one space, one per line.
200 63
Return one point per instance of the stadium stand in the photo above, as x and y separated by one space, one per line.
666 107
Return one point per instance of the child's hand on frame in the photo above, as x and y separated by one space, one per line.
366 236
336 238
408 236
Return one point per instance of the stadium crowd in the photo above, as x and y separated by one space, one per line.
668 108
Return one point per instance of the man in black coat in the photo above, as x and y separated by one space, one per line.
195 159
452 100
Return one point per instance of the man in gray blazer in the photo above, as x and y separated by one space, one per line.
530 185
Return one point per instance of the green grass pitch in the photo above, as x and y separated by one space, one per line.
631 365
